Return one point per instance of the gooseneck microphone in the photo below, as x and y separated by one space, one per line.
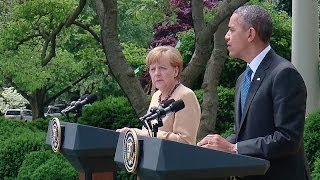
153 120
162 112
87 99
154 110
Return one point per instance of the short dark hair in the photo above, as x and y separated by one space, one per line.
257 17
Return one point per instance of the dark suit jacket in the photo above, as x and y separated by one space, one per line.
272 124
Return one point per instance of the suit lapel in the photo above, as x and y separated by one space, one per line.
237 103
255 84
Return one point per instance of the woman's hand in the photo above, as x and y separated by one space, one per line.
123 130
138 131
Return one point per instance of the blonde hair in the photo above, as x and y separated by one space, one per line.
168 52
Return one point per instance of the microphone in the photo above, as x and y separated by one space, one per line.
154 110
167 103
174 107
86 99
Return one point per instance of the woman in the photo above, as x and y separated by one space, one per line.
165 65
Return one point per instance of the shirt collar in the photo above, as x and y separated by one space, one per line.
254 64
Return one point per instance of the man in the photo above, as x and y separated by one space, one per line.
270 100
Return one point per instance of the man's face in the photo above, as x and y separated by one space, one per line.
237 38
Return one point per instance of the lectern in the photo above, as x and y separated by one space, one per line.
90 150
163 159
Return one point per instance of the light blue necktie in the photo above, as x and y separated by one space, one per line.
245 87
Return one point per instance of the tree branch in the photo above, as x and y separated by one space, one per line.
52 37
23 93
86 75
91 31
197 15
76 13
225 9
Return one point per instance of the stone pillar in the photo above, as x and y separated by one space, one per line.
305 48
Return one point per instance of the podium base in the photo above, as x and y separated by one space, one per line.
97 176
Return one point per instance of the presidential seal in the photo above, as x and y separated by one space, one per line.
131 151
55 135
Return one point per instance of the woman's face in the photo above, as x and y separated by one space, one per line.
163 74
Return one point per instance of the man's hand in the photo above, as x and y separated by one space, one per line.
216 142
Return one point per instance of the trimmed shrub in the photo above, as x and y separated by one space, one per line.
228 132
13 151
316 172
225 114
46 165
123 174
231 71
13 128
110 113
31 162
41 124
311 137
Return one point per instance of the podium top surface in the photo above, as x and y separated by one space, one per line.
79 138
163 159
88 149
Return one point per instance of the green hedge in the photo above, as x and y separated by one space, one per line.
46 165
312 137
110 113
13 128
225 114
13 151
316 172
40 124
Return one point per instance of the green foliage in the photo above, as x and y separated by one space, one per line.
228 132
42 14
135 56
11 129
311 137
225 114
280 42
110 113
108 87
187 45
14 150
282 23
225 108
231 71
41 124
135 22
29 75
46 165
22 48
122 174
316 172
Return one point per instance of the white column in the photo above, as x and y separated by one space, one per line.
305 48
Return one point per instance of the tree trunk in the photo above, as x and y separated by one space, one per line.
37 102
107 14
204 34
211 80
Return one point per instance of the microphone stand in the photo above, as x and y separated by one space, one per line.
78 113
155 124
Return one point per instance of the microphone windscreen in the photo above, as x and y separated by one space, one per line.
177 105
91 98
167 103
83 97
